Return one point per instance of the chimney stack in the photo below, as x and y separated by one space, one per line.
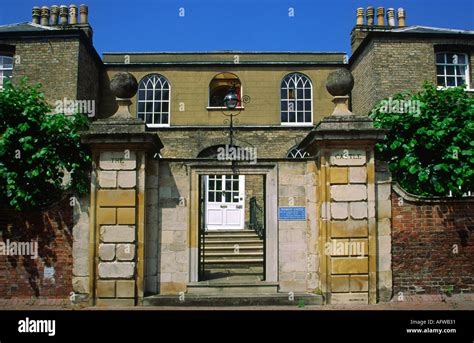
54 15
391 16
380 16
45 16
360 16
370 16
72 14
401 17
35 15
84 11
63 15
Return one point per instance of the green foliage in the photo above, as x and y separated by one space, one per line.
429 147
37 148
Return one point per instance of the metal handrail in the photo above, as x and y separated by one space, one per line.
256 212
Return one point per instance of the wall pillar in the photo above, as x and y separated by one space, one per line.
343 144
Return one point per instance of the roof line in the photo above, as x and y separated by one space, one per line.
214 52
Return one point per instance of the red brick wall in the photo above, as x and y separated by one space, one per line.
423 238
21 276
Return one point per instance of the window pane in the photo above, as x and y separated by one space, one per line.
440 70
461 70
299 105
228 196
462 59
218 185
307 105
440 81
449 58
299 93
211 196
164 107
149 118
460 81
228 185
451 81
449 70
164 118
440 58
284 117
235 197
149 94
284 106
211 184
236 186
166 94
307 93
307 117
300 117
291 117
140 116
219 196
149 107
141 107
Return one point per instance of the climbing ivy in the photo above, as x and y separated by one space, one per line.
41 156
430 140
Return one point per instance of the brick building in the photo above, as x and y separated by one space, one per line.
169 218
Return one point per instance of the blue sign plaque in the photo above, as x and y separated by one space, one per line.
292 213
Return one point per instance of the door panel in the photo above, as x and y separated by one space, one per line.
225 197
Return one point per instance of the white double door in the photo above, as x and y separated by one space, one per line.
224 202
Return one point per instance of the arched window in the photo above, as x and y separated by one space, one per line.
294 152
296 100
220 85
6 68
452 69
153 103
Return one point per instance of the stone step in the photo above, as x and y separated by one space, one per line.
214 288
233 254
232 241
238 299
232 260
231 249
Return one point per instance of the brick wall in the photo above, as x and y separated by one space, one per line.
425 235
22 276
389 65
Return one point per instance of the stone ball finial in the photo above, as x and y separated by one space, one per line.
340 82
124 85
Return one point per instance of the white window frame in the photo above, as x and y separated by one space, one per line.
285 82
3 68
444 64
295 153
161 81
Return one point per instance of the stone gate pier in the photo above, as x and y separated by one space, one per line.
121 149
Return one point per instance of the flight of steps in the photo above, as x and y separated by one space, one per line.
232 248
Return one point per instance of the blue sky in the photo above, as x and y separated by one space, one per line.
247 25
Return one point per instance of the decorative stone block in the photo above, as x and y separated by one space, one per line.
358 210
350 265
117 234
105 289
125 288
127 179
339 210
338 175
126 215
350 228
116 197
359 283
348 157
349 192
340 283
106 216
107 179
80 284
357 174
118 160
109 270
125 252
106 252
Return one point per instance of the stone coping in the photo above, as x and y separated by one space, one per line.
425 199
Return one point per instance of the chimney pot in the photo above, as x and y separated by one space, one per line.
72 14
380 16
54 15
45 16
391 16
84 11
63 15
35 15
360 16
401 17
370 16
